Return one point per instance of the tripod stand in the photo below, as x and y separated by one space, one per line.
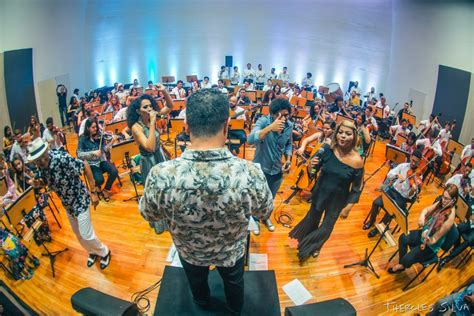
137 196
52 256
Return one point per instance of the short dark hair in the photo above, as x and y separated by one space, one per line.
150 82
279 104
180 81
417 153
206 77
309 74
49 120
207 112
339 99
403 121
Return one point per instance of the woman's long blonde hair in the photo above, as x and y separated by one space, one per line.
348 124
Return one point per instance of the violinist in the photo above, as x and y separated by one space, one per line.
114 105
179 91
432 152
410 144
364 135
396 130
221 88
406 109
405 181
286 88
268 86
464 181
53 135
445 134
434 223
323 137
236 112
93 148
34 129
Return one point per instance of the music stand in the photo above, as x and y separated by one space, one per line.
340 118
191 78
400 140
409 117
106 117
252 95
277 82
393 211
167 80
151 92
116 127
226 82
462 208
393 154
455 146
177 126
126 149
378 112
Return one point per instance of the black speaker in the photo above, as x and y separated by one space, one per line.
89 301
338 306
228 61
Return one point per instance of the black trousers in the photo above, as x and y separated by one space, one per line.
416 255
233 278
468 240
378 203
107 167
237 134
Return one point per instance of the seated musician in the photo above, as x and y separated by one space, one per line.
53 135
370 96
114 106
405 109
179 91
405 183
445 135
286 88
410 144
465 184
323 137
372 124
435 221
268 97
243 98
94 149
10 195
382 104
313 114
236 112
396 130
248 86
205 84
354 99
133 95
338 108
431 123
364 135
466 155
268 86
428 144
220 86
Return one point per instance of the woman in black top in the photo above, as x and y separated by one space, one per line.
336 191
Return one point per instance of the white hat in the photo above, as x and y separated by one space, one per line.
36 149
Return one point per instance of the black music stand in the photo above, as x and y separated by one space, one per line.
393 154
393 211
128 163
167 80
191 78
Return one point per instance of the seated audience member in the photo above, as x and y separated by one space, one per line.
435 221
209 224
8 140
53 135
114 106
401 189
243 98
179 91
459 303
88 149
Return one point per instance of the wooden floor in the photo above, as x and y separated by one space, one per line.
138 257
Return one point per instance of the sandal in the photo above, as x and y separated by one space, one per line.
91 260
105 261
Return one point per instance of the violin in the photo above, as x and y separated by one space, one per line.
440 214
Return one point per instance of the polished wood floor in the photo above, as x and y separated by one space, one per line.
138 257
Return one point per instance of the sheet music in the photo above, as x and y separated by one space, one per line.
297 292
258 262
171 253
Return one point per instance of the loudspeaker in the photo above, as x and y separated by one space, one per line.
89 301
228 61
338 306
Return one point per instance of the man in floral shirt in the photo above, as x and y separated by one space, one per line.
207 197
61 172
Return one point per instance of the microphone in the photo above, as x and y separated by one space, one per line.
318 154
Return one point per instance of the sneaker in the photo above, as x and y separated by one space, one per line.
269 225
105 261
91 260
374 232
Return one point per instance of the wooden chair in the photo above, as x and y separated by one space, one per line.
260 94
302 102
410 118
236 124
265 110
252 95
177 127
226 82
116 127
3 186
106 117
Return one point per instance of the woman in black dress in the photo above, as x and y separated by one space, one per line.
336 191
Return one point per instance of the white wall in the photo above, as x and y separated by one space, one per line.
426 34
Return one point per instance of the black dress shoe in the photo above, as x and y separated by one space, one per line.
367 225
441 264
374 232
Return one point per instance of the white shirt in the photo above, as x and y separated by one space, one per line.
426 144
402 187
399 130
17 149
307 82
182 114
121 114
205 85
82 128
456 180
373 121
466 152
223 75
249 73
426 123
444 136
235 78
284 76
54 142
179 93
354 88
267 87
260 76
122 95
272 76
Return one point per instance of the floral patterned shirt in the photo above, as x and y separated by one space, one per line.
63 177
207 198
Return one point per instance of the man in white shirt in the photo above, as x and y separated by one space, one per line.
20 146
205 84
121 93
135 84
268 86
370 119
401 129
248 86
260 77
384 106
272 74
52 135
249 73
286 88
431 123
234 80
445 135
151 85
284 74
468 150
370 95
464 181
220 86
182 114
121 114
307 83
179 91
223 73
